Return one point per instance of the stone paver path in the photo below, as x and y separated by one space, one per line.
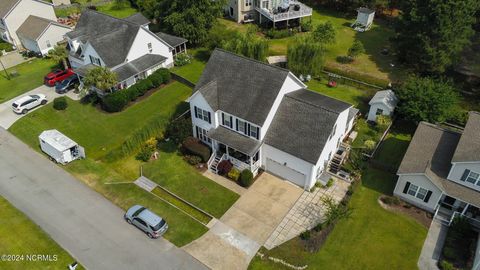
432 247
306 213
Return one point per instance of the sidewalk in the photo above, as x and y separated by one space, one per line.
432 247
12 59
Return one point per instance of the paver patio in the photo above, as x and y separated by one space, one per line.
307 212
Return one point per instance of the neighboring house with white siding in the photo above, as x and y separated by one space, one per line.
440 171
41 35
13 14
125 46
260 116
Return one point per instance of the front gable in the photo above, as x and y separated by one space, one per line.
90 54
146 42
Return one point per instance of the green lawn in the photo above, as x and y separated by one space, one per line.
372 238
20 236
101 133
112 9
193 71
30 76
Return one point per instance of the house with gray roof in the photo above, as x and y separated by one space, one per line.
13 13
382 103
125 46
260 116
440 171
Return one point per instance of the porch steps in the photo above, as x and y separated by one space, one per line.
215 163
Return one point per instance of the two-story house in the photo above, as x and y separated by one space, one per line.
261 116
272 12
440 171
125 46
13 13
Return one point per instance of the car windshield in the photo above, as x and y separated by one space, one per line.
159 225
34 96
138 211
64 82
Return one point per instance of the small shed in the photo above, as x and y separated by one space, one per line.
59 147
383 103
364 18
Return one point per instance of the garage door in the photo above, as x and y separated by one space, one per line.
285 172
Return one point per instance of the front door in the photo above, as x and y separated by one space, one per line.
448 202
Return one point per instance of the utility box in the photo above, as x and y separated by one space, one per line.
59 147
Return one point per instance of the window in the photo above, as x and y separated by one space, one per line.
265 4
379 112
241 126
471 177
202 135
95 61
49 44
227 120
202 114
149 45
417 191
254 132
333 132
248 3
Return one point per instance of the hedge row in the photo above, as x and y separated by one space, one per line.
117 101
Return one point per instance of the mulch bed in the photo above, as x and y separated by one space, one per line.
423 217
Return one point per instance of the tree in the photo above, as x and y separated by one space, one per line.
59 54
324 33
427 99
356 49
431 33
101 78
247 45
306 57
191 19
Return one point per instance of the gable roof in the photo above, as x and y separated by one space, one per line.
138 18
33 27
235 140
386 97
6 6
138 65
173 41
468 148
303 124
244 87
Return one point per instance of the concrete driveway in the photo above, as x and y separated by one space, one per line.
8 117
84 223
245 227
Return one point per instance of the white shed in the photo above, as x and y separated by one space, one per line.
364 18
383 103
59 147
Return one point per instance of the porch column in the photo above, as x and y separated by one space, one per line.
465 209
251 163
185 47
226 146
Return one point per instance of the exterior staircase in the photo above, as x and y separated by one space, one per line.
214 164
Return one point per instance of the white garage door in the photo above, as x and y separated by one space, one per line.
285 172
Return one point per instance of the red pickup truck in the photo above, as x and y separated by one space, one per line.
57 76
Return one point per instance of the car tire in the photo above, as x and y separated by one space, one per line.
25 111
128 220
150 235
43 102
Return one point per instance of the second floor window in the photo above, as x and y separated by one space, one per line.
254 132
202 114
241 126
248 3
149 45
95 60
471 177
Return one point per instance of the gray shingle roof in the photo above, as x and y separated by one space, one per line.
430 152
138 65
303 123
33 27
173 41
352 113
386 97
110 37
235 140
6 6
244 87
138 18
468 148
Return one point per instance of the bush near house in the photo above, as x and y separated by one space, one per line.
224 167
246 178
60 103
4 46
193 146
178 130
115 102
234 174
460 244
192 160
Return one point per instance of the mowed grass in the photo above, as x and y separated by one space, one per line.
372 238
395 144
119 11
194 69
30 76
20 236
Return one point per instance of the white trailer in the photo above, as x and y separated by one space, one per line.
59 147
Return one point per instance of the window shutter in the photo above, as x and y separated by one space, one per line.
258 132
223 119
407 185
248 131
465 175
91 59
245 127
231 121
196 114
236 124
196 129
209 118
429 193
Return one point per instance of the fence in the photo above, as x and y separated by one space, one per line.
350 81
182 80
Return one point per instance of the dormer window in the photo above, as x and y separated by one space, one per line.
471 177
149 45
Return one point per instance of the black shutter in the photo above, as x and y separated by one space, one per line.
196 129
231 121
245 127
223 119
248 131
196 115
236 124
407 185
209 118
429 193
258 132
465 175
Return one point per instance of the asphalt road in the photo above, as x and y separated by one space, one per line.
84 223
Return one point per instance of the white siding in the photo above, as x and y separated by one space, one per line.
140 48
198 100
54 34
90 51
21 12
29 44
421 181
457 170
373 109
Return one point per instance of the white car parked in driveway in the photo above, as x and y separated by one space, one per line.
26 103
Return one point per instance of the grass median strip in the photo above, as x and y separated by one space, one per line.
184 207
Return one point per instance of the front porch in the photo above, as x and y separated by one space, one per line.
449 208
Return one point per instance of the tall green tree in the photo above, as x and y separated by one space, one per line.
306 57
431 33
191 19
324 33
427 99
356 49
59 54
101 78
248 45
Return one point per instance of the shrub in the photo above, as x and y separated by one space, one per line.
164 74
369 145
144 154
179 130
305 235
143 86
330 182
4 46
384 120
194 146
390 200
246 178
182 59
306 26
224 167
444 265
277 34
318 227
234 174
193 160
60 103
115 102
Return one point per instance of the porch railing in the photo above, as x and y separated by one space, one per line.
255 167
304 11
239 164
211 159
474 222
